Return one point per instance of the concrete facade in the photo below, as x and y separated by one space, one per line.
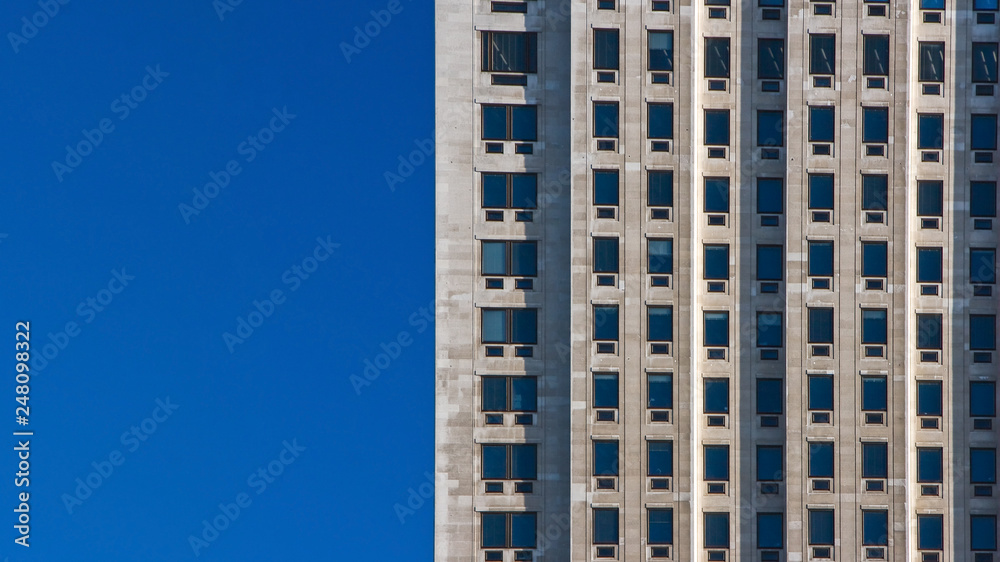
573 349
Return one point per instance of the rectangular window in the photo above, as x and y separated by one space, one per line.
661 120
660 188
605 390
605 255
875 124
606 187
821 460
606 119
874 326
931 66
510 394
770 196
717 463
820 393
660 255
510 191
983 199
874 259
874 192
510 122
716 396
983 464
982 399
771 59
716 261
876 55
931 4
875 528
821 124
930 463
929 331
661 323
983 532
606 49
509 530
510 325
930 131
874 460
820 325
770 530
984 132
510 462
716 195
929 398
661 526
660 390
821 527
717 329
661 50
770 396
930 532
605 458
930 198
770 263
770 462
929 269
874 397
606 322
821 258
821 191
983 332
605 526
717 127
990 5
716 530
507 51
716 57
984 62
822 53
770 128
769 332
510 258
660 458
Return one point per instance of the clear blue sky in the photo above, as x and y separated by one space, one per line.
95 235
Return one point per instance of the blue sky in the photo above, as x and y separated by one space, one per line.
237 188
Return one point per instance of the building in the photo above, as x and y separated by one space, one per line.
716 281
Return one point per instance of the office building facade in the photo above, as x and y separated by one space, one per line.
716 280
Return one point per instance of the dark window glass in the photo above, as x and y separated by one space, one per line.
717 462
931 68
524 325
606 49
661 255
770 195
820 325
523 462
875 528
605 390
717 329
931 4
930 131
661 120
929 398
770 530
661 323
509 191
770 263
770 396
984 132
605 458
929 265
605 255
984 62
983 532
821 191
523 191
661 458
494 394
821 460
716 396
522 530
661 50
821 527
928 331
660 390
606 187
494 461
716 57
606 119
876 124
770 461
717 127
983 332
523 122
606 323
495 325
770 128
930 198
930 532
985 5
929 465
513 394
873 394
820 393
874 259
821 258
716 261
874 460
822 54
510 258
716 195
874 192
716 530
771 59
661 526
769 332
982 399
983 199
983 463
821 124
494 530
495 122
661 188
876 55
505 51
874 326
606 526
